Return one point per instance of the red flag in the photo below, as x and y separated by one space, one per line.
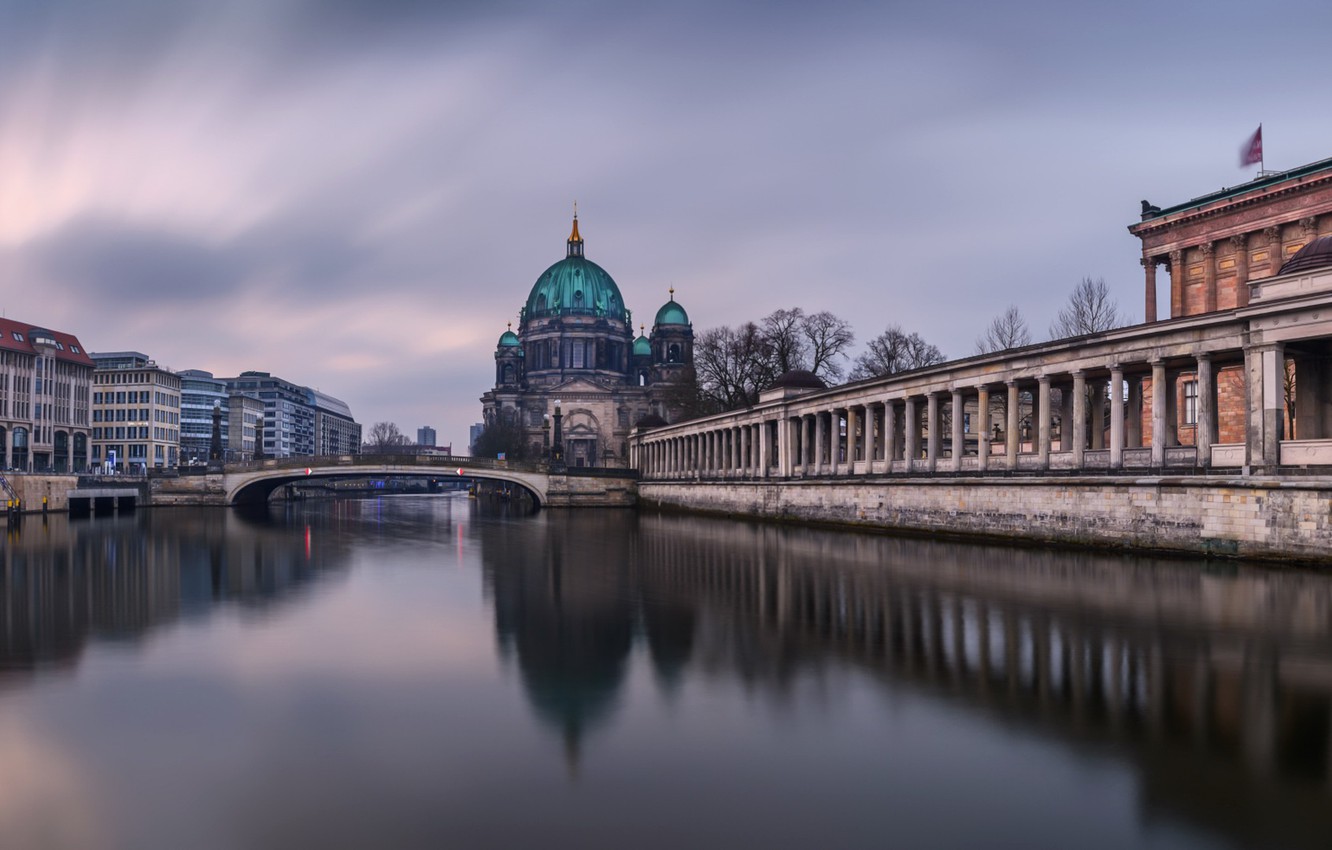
1253 149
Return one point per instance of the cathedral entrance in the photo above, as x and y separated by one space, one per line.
582 453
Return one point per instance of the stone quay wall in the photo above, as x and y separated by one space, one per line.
1288 520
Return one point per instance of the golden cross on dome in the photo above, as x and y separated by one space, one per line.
672 291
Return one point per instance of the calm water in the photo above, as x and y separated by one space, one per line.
417 672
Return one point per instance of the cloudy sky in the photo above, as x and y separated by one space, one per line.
358 194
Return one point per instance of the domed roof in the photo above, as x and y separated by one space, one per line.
671 313
642 346
798 379
1316 254
575 285
508 339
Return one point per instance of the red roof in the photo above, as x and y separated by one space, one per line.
73 350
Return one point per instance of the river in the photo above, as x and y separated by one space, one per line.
430 672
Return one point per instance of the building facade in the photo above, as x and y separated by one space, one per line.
1212 247
135 413
336 432
575 355
298 421
45 393
200 392
425 436
244 415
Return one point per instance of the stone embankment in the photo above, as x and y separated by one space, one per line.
1288 519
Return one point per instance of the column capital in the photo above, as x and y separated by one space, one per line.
1208 248
1203 357
1115 367
1176 259
1272 233
1043 380
1239 241
1309 224
1151 262
1078 373
1011 382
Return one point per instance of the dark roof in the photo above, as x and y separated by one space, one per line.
652 420
799 379
70 350
1316 255
1150 212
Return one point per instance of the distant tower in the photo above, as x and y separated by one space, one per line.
672 341
509 360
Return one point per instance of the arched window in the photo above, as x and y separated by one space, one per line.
673 353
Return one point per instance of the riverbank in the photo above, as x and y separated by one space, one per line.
1278 520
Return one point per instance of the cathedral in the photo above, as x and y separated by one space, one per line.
574 380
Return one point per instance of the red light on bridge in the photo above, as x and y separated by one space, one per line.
307 470
460 471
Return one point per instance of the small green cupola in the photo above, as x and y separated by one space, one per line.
509 339
642 345
671 313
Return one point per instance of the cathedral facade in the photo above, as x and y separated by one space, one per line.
574 380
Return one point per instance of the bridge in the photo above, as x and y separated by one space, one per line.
248 483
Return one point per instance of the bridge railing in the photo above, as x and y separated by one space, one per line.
391 459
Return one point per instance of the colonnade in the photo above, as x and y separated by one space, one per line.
1109 417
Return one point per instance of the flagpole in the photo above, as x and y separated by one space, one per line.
1262 166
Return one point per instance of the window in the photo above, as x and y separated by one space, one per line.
74 348
1190 402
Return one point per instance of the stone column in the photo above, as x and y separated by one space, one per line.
851 424
1209 276
764 448
1205 430
1158 413
983 428
1264 390
1065 419
746 461
889 434
1079 417
1043 432
911 431
1241 245
806 444
932 434
1275 256
1116 417
1096 430
820 440
1149 266
1012 435
871 438
959 437
1133 413
1177 282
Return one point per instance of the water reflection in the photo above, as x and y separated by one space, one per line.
66 582
1214 679
1210 685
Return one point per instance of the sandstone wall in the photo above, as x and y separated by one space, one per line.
1233 516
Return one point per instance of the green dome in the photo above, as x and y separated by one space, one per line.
508 339
575 285
672 313
642 346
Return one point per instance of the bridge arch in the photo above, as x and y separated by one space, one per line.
256 485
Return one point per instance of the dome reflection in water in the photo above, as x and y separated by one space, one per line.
432 672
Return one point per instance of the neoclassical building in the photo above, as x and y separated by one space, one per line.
575 354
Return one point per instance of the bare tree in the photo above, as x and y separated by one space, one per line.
1007 330
783 331
385 435
1089 310
828 337
502 435
732 364
895 351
